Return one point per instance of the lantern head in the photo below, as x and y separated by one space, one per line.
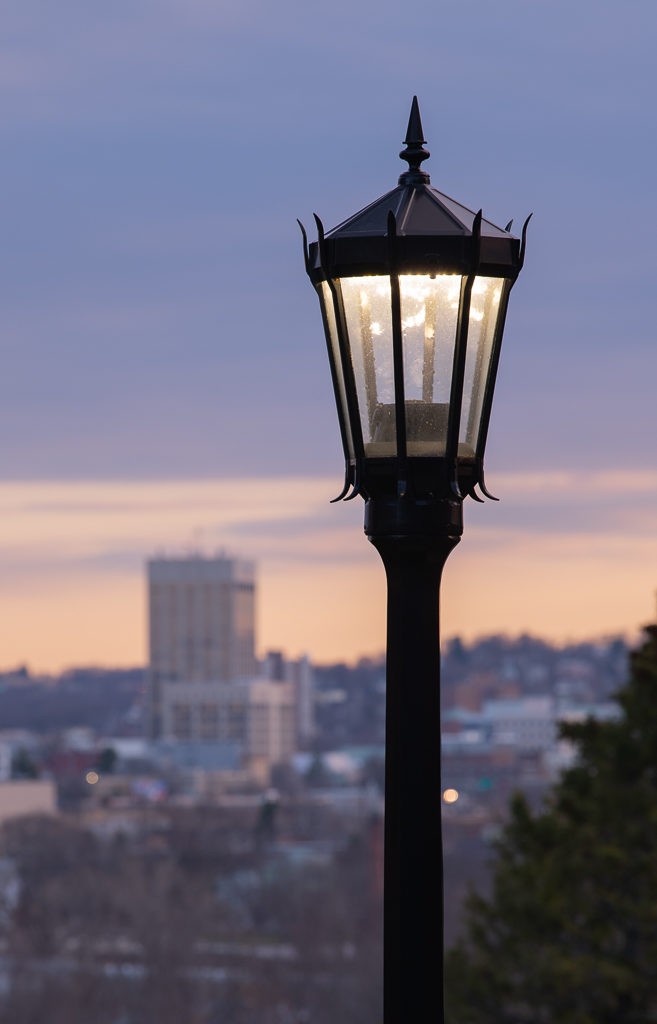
413 292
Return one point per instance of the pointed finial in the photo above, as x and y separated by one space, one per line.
414 153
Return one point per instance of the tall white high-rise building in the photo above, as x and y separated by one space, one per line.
202 682
201 614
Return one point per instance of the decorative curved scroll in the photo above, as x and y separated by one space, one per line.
306 257
523 243
348 481
356 485
483 488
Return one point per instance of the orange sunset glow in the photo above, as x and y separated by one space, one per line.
559 560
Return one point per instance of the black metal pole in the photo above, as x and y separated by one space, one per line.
414 541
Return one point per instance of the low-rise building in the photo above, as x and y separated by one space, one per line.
27 796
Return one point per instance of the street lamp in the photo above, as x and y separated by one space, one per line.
413 291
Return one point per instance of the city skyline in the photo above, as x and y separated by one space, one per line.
165 381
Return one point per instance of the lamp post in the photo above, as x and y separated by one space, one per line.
413 291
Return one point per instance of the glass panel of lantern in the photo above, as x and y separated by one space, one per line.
429 312
366 302
331 329
485 306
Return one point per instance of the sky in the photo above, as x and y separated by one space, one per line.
164 381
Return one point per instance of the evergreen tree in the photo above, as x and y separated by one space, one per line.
107 761
23 766
569 932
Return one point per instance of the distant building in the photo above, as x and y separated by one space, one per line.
27 796
203 682
270 737
523 723
201 614
303 680
300 674
526 723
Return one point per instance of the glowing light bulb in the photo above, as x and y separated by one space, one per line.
415 321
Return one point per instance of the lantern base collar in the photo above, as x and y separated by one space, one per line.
388 518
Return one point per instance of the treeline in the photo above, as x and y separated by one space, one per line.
190 915
98 698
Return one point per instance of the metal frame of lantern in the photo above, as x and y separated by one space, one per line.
413 503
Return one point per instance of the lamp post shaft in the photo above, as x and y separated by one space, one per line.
413 865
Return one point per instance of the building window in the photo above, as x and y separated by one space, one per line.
182 721
209 721
259 732
236 724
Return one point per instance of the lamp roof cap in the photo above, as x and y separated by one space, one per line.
433 233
